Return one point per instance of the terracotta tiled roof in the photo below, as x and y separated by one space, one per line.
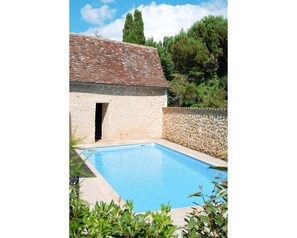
96 60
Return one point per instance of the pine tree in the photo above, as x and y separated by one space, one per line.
133 31
128 27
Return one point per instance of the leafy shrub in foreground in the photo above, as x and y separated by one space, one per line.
110 220
212 220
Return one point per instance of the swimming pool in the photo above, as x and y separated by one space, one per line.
151 174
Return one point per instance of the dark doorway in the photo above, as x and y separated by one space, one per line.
98 121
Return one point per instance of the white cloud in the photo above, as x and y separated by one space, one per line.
111 31
106 1
96 16
163 19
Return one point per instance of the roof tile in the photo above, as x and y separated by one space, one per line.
97 60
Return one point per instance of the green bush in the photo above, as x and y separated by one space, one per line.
212 220
110 220
73 141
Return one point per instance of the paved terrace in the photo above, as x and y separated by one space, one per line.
97 188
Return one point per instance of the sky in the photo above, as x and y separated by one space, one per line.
161 17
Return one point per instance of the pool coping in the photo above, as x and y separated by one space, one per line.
105 192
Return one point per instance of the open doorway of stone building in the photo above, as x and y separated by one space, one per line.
101 109
98 122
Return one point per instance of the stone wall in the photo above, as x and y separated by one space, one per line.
202 129
129 112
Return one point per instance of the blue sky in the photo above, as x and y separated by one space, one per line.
161 17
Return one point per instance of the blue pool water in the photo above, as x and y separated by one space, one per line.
151 174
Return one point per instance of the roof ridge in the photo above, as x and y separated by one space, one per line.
115 41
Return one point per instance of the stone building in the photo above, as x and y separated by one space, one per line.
117 90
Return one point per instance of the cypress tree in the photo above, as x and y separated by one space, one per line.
138 31
128 27
133 31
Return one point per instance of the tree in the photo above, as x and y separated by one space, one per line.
166 62
128 27
212 94
182 93
138 31
133 31
200 54
194 61
213 30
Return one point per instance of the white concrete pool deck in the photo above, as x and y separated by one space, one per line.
97 189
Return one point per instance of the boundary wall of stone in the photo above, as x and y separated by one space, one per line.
202 129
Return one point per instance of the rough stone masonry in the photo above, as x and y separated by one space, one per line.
202 129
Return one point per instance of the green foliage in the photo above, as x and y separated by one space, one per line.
127 31
212 94
166 61
182 92
78 210
200 56
133 31
191 57
161 225
73 141
201 52
138 31
110 220
150 42
183 53
212 220
213 30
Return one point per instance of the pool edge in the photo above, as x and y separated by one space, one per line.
177 214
